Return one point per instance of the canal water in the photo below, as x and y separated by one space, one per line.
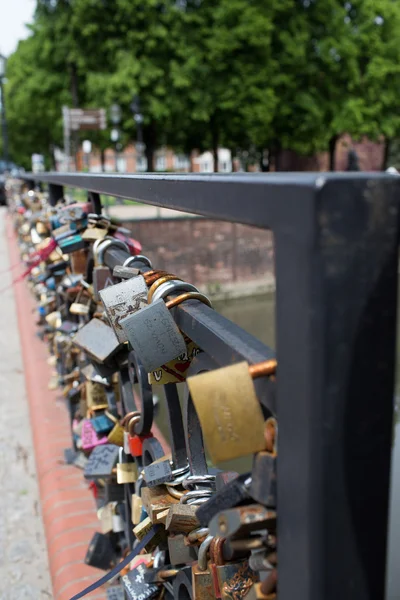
257 316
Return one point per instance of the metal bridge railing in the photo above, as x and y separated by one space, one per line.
336 252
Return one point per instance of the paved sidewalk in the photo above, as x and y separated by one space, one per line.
24 572
141 212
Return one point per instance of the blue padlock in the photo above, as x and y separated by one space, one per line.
102 424
72 244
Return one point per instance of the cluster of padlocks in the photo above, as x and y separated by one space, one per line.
113 338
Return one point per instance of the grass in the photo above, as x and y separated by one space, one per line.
81 196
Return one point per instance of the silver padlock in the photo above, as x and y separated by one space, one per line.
179 554
154 335
122 300
97 340
102 276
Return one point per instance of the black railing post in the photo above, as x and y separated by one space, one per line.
56 192
336 327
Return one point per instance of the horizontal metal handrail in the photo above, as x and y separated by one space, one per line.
259 199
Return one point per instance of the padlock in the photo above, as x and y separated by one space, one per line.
78 261
104 514
232 494
123 299
116 435
124 424
135 585
179 552
175 371
72 244
156 500
102 424
101 462
231 427
241 521
100 553
82 304
102 276
181 518
97 340
153 333
95 394
263 479
116 517
255 593
136 441
158 472
136 509
202 580
233 579
127 472
121 272
89 437
92 234
115 592
143 528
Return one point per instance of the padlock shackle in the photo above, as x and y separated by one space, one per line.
203 551
175 285
188 296
159 281
153 276
107 243
137 258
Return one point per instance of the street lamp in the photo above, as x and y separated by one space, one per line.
3 62
115 116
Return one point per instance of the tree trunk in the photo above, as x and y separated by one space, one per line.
150 139
277 154
332 151
53 161
386 153
102 159
214 138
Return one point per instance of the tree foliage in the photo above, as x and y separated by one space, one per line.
249 74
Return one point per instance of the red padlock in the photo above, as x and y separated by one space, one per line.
136 441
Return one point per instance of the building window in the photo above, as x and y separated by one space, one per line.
181 162
206 166
161 163
141 164
121 164
224 166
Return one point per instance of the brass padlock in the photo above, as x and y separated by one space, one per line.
231 427
95 394
137 506
143 528
181 518
127 472
202 579
116 435
156 500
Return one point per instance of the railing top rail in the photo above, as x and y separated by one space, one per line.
260 199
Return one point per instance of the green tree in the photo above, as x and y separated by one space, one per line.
42 76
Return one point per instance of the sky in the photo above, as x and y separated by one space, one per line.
13 16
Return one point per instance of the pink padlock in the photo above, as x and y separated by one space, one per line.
89 436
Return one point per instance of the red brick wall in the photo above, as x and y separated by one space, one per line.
203 251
